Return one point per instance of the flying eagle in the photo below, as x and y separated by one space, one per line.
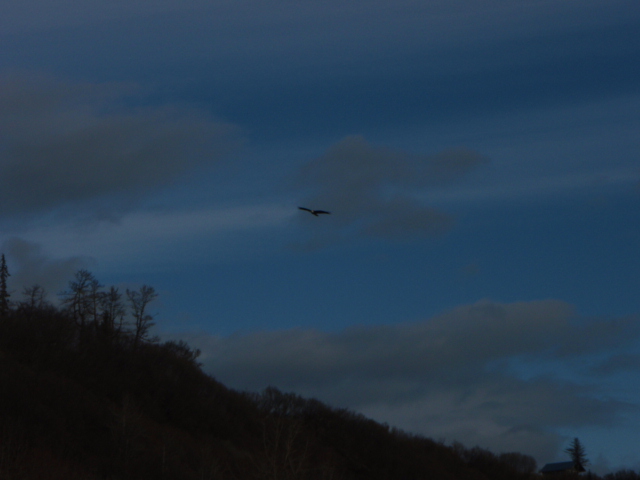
314 212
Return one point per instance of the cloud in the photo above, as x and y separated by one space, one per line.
485 374
372 191
77 144
616 364
180 236
29 265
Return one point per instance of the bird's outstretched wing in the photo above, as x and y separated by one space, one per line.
315 212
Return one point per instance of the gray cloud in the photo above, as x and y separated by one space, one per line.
472 374
73 144
372 190
616 364
448 348
29 265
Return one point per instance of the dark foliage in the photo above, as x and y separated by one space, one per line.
577 453
623 475
85 397
4 294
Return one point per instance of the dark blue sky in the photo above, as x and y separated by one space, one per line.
477 279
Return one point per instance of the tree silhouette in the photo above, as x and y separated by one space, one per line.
4 294
36 297
81 298
112 312
577 452
138 300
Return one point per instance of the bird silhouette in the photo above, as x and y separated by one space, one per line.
315 212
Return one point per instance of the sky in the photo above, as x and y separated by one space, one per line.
477 279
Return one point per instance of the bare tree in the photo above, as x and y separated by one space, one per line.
35 297
285 449
112 312
139 300
94 298
81 299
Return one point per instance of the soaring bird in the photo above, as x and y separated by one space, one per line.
314 212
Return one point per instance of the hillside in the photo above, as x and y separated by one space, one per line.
87 394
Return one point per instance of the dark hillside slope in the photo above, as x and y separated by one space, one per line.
78 401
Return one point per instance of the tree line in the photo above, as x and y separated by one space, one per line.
94 309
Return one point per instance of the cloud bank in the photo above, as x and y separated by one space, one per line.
372 191
487 374
77 144
180 236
